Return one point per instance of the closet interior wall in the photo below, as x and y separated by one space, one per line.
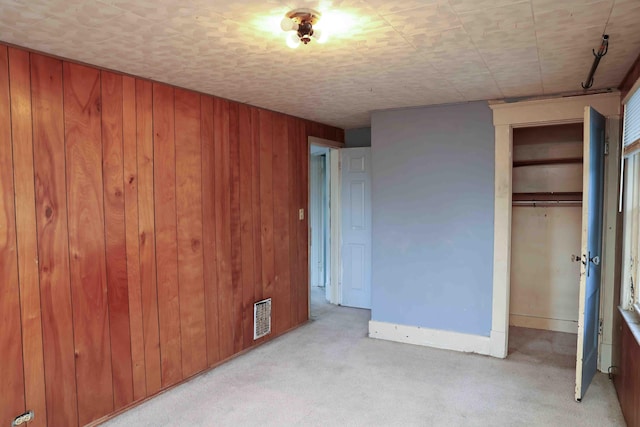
546 227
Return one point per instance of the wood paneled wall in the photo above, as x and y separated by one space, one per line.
630 78
139 223
627 378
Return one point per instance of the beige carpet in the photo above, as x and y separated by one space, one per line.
328 373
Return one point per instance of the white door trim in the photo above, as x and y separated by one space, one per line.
506 116
335 216
316 210
335 229
325 142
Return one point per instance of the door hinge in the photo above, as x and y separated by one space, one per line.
600 327
606 146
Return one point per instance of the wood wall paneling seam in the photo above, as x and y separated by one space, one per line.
236 248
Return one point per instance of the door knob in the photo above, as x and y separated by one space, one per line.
588 260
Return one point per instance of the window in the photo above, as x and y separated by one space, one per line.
631 202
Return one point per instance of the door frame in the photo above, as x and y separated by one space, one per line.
541 112
319 211
334 228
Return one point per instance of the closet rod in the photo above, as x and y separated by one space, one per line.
535 203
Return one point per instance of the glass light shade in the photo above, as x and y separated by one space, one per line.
293 41
287 24
319 35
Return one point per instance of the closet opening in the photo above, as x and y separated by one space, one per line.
546 232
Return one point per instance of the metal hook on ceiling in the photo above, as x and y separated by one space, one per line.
602 51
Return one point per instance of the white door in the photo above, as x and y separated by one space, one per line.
592 204
356 226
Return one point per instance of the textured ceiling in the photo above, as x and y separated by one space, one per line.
395 53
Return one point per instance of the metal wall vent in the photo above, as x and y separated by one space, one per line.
261 318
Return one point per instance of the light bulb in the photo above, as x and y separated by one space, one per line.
293 41
319 35
288 24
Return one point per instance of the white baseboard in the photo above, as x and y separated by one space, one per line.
605 360
436 338
499 346
542 323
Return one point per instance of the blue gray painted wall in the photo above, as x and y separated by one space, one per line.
360 137
433 202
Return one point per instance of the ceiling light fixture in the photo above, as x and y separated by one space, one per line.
301 22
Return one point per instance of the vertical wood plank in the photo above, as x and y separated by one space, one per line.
53 250
223 225
130 172
282 281
236 248
294 205
189 209
11 368
266 202
332 133
164 168
82 111
209 229
246 223
147 243
255 204
115 238
21 123
313 129
626 85
303 226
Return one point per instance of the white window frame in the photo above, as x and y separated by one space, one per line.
630 204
